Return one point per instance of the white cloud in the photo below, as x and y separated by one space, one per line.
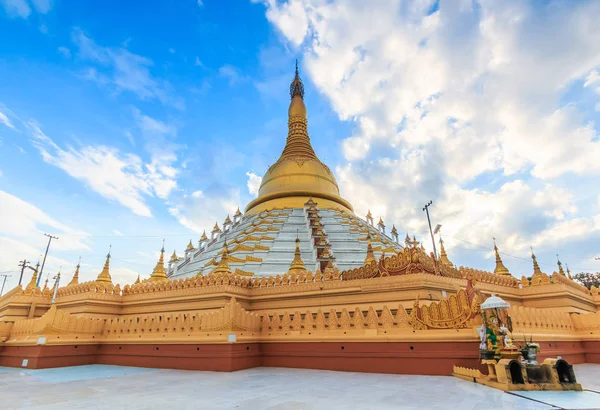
65 52
232 74
125 70
22 8
466 104
116 232
16 8
22 231
200 4
122 177
5 120
200 211
254 182
198 63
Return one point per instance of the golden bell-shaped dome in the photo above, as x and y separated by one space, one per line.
298 174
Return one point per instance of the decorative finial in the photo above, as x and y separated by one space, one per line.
296 87
104 276
443 255
159 273
560 268
500 268
75 279
223 266
536 267
297 264
568 271
370 255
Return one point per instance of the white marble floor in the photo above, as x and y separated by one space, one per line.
116 387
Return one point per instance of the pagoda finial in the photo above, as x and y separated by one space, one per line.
104 276
370 256
443 255
33 282
160 273
536 267
223 266
568 271
560 268
297 264
174 257
75 279
190 246
137 281
500 269
296 87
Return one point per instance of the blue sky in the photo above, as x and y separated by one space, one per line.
127 123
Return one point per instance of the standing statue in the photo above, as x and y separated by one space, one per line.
482 337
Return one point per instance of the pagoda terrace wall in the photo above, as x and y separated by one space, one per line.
233 338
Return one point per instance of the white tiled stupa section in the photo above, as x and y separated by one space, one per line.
348 250
276 260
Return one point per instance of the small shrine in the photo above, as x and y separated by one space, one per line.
512 367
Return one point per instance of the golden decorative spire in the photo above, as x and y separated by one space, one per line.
190 246
370 256
380 221
560 268
394 231
407 240
297 264
137 281
536 267
104 276
500 268
223 266
174 257
369 216
227 220
216 228
443 255
237 213
33 282
45 284
298 173
75 279
203 237
160 273
568 272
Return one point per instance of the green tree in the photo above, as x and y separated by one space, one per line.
588 279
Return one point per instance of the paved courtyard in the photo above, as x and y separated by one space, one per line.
117 387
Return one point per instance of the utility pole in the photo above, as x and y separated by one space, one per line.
3 282
426 209
23 265
50 237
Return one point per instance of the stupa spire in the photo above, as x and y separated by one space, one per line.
75 279
104 276
443 255
536 267
297 264
160 273
223 266
500 269
33 282
297 144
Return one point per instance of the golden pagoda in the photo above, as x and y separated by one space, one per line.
443 255
500 268
159 273
75 279
203 237
223 266
104 276
33 282
298 174
536 267
297 264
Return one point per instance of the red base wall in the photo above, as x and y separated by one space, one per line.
392 357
